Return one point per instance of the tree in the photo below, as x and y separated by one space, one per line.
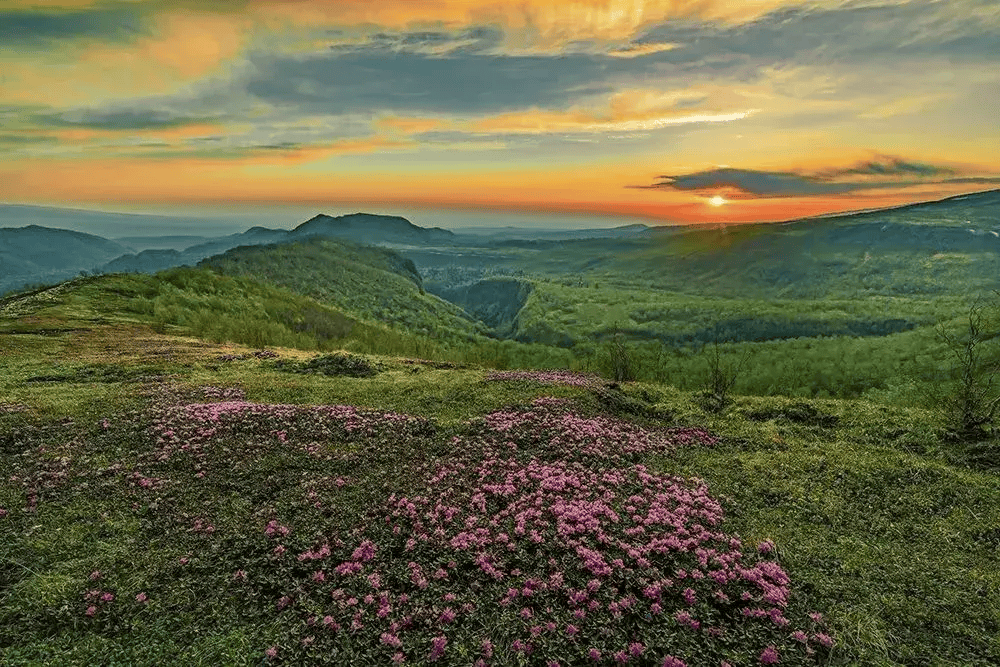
622 363
971 405
721 379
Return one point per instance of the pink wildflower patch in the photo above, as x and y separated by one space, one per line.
568 378
541 515
437 647
770 656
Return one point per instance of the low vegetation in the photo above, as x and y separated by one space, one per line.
175 498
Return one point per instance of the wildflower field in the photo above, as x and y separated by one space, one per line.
168 501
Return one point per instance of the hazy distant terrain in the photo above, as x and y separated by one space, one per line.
837 305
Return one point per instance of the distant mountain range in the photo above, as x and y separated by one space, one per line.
35 254
966 223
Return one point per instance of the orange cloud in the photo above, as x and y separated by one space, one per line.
183 46
400 125
626 111
545 21
315 153
194 44
166 134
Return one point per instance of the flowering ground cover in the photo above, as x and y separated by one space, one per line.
558 377
532 535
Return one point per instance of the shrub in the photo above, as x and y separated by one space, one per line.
721 379
972 403
340 364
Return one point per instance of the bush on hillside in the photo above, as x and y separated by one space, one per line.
339 364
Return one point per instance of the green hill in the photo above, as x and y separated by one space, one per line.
373 283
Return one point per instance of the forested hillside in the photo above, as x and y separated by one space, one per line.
375 283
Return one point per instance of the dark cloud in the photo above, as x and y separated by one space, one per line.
32 27
419 83
467 72
884 172
759 183
974 180
890 167
120 119
472 40
25 139
850 33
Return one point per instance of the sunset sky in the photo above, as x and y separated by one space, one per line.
667 110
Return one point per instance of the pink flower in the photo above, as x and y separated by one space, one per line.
91 610
800 636
571 630
520 647
95 575
765 547
770 656
398 658
141 597
240 575
390 639
671 661
447 616
816 616
272 652
594 654
824 639
437 647
635 649
487 648
107 597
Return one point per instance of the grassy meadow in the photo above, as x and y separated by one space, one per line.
189 475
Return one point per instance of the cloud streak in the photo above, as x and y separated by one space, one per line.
885 172
34 28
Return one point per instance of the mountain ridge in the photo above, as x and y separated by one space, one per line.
961 223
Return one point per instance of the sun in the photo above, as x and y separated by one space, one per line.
717 201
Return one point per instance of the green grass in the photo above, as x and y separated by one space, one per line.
888 530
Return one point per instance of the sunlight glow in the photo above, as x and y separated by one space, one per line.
716 201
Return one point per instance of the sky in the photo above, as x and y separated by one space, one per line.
666 111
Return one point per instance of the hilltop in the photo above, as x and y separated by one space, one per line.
33 253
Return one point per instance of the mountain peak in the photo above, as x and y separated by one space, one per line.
371 227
